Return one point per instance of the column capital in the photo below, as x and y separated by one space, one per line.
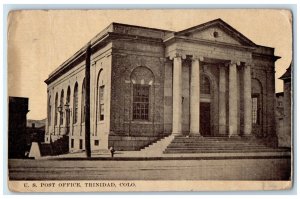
198 57
248 64
235 62
177 54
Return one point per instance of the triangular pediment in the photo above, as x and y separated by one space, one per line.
217 31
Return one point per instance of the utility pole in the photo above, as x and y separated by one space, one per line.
87 102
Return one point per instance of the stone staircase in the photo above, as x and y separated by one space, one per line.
157 147
182 144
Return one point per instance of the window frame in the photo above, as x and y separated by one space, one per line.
80 143
101 113
255 111
75 104
49 110
55 110
72 143
61 114
141 104
83 96
205 85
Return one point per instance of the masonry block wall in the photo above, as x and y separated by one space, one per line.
127 57
263 82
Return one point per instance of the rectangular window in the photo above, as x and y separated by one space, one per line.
96 143
72 143
254 110
80 144
141 102
101 103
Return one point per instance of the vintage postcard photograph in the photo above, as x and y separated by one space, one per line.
150 100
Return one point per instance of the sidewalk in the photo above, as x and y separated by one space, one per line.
140 155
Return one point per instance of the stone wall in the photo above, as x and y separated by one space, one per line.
264 74
287 129
101 61
127 56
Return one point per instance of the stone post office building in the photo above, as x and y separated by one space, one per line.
208 80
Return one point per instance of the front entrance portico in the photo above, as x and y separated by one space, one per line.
215 86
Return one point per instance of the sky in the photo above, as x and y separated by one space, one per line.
39 41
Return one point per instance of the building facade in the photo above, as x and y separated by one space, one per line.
18 109
145 84
285 133
279 117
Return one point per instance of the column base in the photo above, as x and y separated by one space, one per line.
194 135
176 133
234 136
222 130
250 136
221 135
247 135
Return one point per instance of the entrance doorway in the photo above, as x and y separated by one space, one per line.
205 119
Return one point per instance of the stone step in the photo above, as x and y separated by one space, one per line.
211 142
214 140
214 137
157 147
221 151
217 145
209 139
222 147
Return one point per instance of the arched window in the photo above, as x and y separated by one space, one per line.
83 102
204 85
68 96
142 79
61 113
49 110
55 109
75 104
100 97
68 107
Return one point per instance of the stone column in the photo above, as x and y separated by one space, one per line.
247 101
177 95
195 98
222 100
233 100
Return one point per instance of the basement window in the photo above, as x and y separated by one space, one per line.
80 144
72 143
